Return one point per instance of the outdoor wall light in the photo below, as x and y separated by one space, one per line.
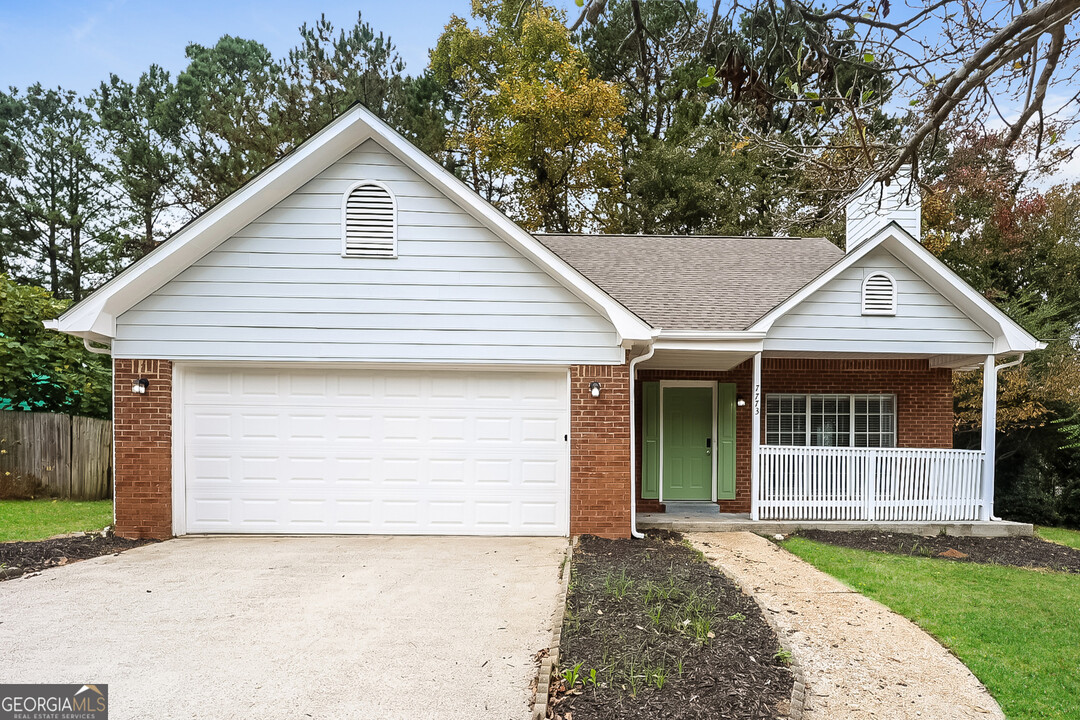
740 401
139 386
594 388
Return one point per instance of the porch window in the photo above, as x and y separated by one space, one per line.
830 420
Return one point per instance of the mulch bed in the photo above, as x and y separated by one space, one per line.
668 636
21 558
1022 552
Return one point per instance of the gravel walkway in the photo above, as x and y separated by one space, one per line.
860 659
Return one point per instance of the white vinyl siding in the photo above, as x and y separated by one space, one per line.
832 319
280 289
369 221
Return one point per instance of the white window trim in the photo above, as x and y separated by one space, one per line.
851 412
345 225
892 283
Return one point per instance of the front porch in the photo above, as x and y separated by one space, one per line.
706 517
777 443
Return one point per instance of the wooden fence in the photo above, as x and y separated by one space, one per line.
66 456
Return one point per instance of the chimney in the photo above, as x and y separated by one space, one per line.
874 205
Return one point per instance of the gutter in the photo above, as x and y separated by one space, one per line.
634 532
713 335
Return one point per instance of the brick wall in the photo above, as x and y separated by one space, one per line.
924 396
142 425
600 451
924 402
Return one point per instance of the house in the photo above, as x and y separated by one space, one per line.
355 342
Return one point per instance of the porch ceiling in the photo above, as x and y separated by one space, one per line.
682 358
954 362
697 359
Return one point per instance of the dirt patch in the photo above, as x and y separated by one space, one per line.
21 558
1022 552
655 631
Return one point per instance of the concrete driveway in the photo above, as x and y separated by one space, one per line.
293 627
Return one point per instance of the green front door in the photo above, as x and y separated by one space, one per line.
688 443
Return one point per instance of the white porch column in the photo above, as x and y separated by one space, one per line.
989 436
755 437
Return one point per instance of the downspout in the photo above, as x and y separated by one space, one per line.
105 350
634 532
998 369
1014 363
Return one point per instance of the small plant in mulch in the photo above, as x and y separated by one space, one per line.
652 630
1022 552
21 558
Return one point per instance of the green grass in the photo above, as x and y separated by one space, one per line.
1016 629
1060 535
39 519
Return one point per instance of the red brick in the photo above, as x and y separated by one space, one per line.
600 451
143 436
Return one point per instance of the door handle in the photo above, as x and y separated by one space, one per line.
708 446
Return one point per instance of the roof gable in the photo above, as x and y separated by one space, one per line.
95 317
282 288
1007 335
833 319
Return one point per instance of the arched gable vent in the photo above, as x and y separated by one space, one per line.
879 294
369 221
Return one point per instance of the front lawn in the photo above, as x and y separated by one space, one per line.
39 519
1016 629
1060 535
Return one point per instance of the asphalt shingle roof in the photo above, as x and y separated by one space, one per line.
696 282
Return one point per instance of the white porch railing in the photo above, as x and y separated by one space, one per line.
876 484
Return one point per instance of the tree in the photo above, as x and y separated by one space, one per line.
970 61
1019 247
327 72
422 116
536 132
44 370
226 98
55 209
141 127
686 151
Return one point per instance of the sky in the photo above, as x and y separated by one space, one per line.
78 44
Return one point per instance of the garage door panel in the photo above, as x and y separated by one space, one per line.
425 453
417 429
488 389
259 514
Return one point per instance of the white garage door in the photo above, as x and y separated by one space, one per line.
340 451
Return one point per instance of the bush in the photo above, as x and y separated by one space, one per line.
18 486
